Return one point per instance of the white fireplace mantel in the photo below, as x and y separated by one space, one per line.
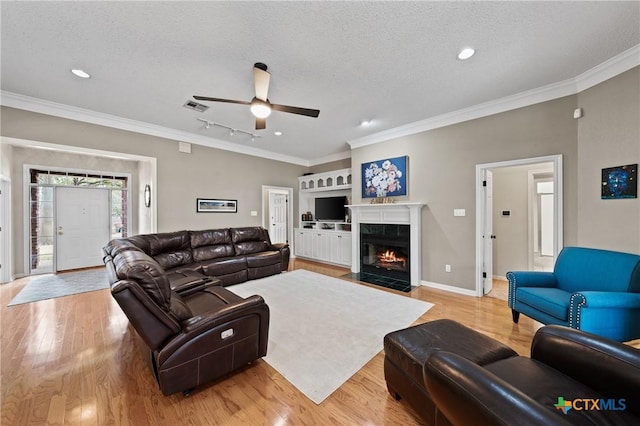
397 213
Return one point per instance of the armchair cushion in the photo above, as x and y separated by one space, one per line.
553 301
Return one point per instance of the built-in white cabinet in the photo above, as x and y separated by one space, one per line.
323 245
324 241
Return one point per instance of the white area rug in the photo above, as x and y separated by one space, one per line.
323 330
64 284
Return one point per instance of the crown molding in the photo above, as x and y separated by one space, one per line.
608 69
28 103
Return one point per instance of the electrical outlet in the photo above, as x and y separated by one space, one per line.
447 268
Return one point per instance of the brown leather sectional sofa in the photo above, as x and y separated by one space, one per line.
171 288
232 255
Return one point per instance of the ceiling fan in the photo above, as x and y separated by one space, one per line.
260 106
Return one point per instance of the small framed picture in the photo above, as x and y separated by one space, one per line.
620 182
215 205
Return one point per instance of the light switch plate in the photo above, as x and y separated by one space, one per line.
254 213
459 212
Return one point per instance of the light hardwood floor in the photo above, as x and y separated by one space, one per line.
75 360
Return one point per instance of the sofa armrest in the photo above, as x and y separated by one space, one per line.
207 322
196 325
532 279
528 279
278 246
609 367
285 251
606 299
468 394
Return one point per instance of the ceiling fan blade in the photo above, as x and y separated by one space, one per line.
229 101
261 80
296 110
261 123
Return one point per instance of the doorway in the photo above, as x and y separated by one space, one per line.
82 226
71 214
277 208
493 212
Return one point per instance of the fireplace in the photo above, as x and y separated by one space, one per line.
385 250
400 226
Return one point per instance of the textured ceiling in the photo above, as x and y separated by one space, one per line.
392 62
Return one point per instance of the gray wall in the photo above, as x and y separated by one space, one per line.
182 178
609 136
442 175
334 165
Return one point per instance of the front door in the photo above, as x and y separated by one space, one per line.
82 226
278 217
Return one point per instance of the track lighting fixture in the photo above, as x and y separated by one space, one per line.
232 130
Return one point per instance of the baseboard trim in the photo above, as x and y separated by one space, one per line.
449 288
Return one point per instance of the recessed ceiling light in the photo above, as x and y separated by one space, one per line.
277 133
365 123
80 73
466 53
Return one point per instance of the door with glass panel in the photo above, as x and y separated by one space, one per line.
73 215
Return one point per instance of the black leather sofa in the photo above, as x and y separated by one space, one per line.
232 255
572 377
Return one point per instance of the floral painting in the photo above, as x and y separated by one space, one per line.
384 178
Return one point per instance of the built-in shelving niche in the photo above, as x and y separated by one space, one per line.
327 181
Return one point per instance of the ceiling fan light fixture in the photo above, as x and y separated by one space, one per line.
80 73
260 108
466 53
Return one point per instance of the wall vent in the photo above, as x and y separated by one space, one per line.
195 106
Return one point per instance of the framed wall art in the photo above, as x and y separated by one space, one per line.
385 178
620 182
215 205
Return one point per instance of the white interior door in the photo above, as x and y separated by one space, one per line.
487 264
278 216
82 226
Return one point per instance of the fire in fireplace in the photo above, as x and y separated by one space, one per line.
384 250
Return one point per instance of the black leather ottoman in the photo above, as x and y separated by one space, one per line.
406 352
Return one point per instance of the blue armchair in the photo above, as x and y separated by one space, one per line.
597 291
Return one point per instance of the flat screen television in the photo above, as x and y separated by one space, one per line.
331 208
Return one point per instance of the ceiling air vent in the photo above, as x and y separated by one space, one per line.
195 106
